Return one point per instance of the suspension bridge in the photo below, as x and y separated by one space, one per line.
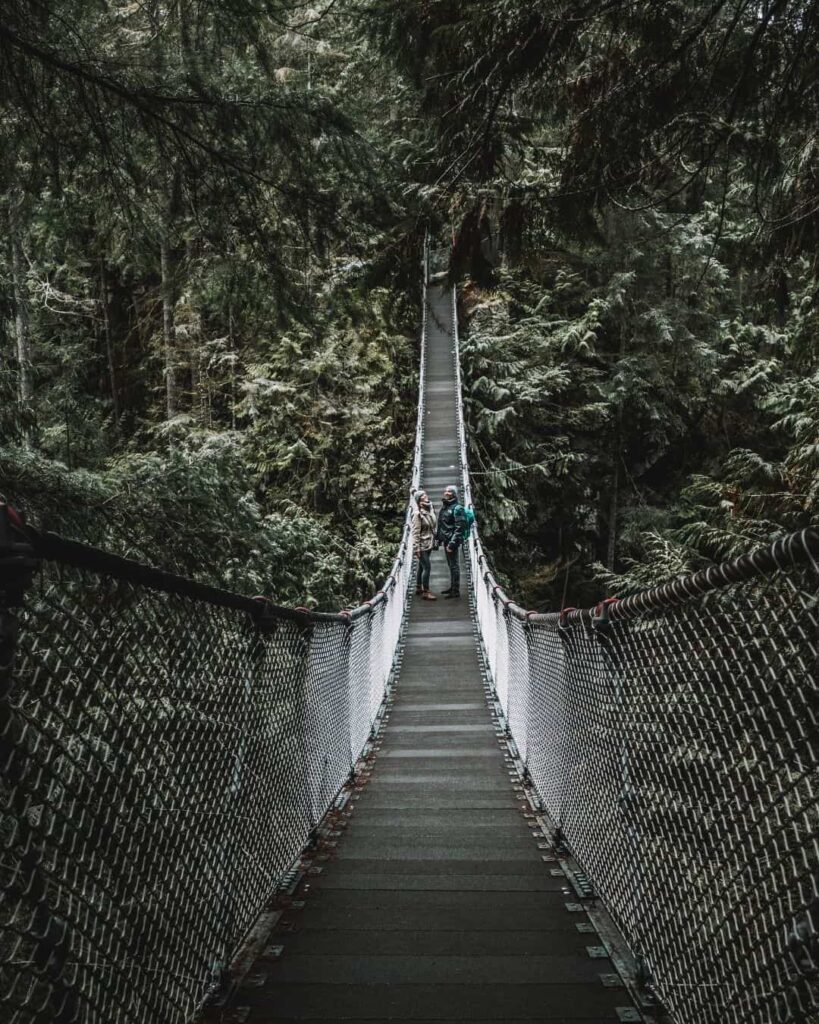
217 809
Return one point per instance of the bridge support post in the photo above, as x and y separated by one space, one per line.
301 685
346 657
529 637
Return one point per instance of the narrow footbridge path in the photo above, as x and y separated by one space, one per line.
437 904
217 809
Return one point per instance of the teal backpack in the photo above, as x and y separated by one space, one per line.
469 514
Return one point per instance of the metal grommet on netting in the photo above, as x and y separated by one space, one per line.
264 618
564 619
601 615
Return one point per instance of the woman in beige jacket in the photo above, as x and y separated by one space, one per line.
424 522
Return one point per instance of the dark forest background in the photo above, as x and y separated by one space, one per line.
213 214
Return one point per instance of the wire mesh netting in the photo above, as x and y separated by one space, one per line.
160 791
672 737
165 762
167 750
677 752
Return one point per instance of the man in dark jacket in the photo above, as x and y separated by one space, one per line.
450 535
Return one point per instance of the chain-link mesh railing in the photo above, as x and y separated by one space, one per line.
167 749
673 739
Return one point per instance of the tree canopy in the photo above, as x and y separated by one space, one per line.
208 293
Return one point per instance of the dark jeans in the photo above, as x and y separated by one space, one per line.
424 566
454 562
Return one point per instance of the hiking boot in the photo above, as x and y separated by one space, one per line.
418 592
449 595
446 593
427 595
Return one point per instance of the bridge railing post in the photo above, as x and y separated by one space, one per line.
345 676
619 740
518 682
501 652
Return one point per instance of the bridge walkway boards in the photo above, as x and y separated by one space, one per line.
438 905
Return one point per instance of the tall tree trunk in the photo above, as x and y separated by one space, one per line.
166 256
198 384
197 401
611 552
67 422
109 344
233 395
22 327
611 548
168 327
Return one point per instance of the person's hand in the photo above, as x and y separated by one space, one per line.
449 549
416 552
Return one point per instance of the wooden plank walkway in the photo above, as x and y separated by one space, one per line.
438 905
